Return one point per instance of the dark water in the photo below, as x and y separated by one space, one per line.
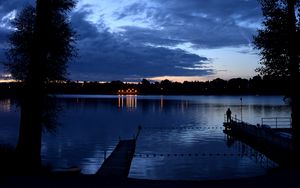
182 136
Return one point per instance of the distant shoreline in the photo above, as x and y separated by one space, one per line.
236 87
14 95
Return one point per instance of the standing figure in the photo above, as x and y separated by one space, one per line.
228 114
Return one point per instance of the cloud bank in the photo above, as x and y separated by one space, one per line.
144 39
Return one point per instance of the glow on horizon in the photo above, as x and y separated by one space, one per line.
7 81
181 79
229 62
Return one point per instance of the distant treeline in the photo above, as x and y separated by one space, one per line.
236 86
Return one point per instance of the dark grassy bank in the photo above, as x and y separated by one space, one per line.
282 178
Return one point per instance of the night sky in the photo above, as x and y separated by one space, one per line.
156 39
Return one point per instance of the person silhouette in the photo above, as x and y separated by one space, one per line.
228 114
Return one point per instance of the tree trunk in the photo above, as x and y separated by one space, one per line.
30 134
32 104
294 70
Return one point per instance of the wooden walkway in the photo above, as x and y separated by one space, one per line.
271 142
117 165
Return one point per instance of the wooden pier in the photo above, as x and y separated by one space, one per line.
117 165
276 144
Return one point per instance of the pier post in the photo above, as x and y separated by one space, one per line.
241 109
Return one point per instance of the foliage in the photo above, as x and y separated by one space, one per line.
272 39
21 49
54 36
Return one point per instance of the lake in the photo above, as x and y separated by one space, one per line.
182 136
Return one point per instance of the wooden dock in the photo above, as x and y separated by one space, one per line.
117 165
273 143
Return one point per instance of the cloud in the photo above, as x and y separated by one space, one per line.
3 45
144 38
107 56
3 36
206 24
8 8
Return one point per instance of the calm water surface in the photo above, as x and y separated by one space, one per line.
182 136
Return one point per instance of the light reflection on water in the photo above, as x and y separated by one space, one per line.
189 127
130 101
5 105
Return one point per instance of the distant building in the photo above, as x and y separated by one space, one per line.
127 92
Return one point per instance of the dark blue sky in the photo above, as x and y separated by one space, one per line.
157 39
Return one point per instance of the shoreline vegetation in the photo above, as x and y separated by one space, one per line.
235 86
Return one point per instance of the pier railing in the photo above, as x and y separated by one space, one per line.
266 133
277 122
272 122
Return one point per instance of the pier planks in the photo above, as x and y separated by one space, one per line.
117 165
266 140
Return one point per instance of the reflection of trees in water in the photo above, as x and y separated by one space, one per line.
245 150
50 115
5 105
30 133
38 113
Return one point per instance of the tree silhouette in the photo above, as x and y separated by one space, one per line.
278 43
41 46
42 43
272 40
294 58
